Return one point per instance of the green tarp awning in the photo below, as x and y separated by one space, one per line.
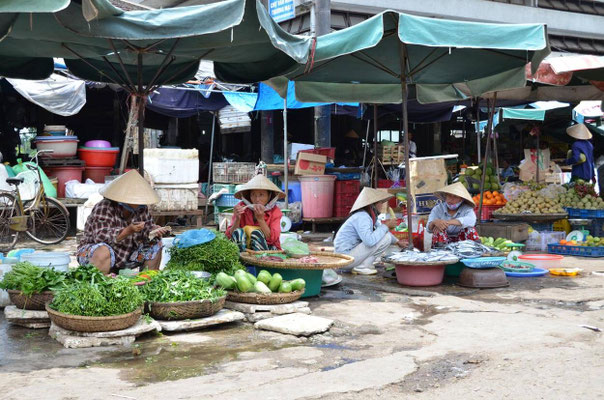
526 114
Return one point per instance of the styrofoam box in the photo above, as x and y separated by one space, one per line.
540 242
172 165
178 197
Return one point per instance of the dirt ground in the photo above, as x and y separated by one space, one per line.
525 341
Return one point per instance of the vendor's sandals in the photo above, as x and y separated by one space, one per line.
364 271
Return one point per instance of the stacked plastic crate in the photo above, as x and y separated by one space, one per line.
345 194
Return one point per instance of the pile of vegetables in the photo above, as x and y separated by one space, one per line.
472 177
530 202
220 254
501 244
264 283
171 286
581 196
30 279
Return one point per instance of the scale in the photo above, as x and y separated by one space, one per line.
579 234
516 251
286 222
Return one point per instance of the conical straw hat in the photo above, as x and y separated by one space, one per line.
369 196
579 131
259 182
456 189
130 188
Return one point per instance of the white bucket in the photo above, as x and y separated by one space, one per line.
52 259
165 254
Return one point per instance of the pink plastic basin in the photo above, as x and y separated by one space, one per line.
97 143
420 275
544 261
317 195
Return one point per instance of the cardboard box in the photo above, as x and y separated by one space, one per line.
427 175
424 203
294 148
514 231
310 164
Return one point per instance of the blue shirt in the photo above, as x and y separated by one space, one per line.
464 214
584 170
359 228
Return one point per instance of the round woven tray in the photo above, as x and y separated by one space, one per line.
81 323
185 309
326 261
36 301
530 217
265 299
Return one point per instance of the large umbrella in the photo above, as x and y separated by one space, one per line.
141 50
376 60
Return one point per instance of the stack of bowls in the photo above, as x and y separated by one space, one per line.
100 158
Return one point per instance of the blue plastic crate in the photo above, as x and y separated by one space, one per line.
582 213
580 251
483 262
227 200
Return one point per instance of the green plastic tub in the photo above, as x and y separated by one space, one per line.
313 278
454 269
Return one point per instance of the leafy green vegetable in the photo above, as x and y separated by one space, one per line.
174 285
110 296
218 255
31 279
85 273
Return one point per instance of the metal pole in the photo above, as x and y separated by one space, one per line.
404 89
321 11
285 155
366 144
491 106
141 117
375 147
210 164
538 154
477 128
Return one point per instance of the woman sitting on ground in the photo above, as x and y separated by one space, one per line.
453 219
256 220
362 236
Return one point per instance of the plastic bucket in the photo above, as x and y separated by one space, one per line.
454 269
313 278
99 157
97 174
64 175
52 259
420 275
317 196
165 252
543 261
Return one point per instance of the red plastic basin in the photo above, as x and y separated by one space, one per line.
420 275
64 175
97 174
98 157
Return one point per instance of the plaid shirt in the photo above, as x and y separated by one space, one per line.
106 222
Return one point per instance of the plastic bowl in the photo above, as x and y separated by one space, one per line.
60 148
98 157
97 143
420 275
543 261
52 259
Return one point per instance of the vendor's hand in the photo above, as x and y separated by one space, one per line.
402 243
162 231
238 210
136 227
390 223
259 210
440 225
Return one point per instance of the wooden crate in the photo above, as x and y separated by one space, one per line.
514 231
392 153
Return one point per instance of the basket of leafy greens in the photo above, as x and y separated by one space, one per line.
97 304
176 295
30 287
215 256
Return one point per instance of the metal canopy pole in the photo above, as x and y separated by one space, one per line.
285 155
375 146
491 106
141 116
404 89
210 164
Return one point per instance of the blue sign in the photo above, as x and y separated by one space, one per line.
282 10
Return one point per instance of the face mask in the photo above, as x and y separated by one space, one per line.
454 206
132 210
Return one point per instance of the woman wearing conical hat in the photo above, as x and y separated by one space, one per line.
256 220
117 230
362 235
581 154
454 219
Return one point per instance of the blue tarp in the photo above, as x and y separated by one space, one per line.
181 103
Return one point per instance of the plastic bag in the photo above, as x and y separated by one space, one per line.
295 247
193 238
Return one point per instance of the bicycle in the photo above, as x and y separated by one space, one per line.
43 219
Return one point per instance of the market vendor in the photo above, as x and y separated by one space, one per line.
453 219
362 236
116 234
256 220
581 154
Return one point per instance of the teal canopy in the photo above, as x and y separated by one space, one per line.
445 60
526 114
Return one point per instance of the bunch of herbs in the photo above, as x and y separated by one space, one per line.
219 255
30 279
173 286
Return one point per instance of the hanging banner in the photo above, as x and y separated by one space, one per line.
282 10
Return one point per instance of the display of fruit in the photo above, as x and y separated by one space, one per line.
501 244
581 196
264 283
473 175
590 241
489 198
531 202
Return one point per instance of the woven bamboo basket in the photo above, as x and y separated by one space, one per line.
264 299
81 323
326 260
36 301
185 309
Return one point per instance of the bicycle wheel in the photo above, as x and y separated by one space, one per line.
8 210
49 222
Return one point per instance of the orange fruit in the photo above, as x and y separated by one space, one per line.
562 242
495 193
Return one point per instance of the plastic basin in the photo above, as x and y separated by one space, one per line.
97 143
420 275
313 278
52 259
454 269
317 196
97 157
64 175
543 261
61 148
97 174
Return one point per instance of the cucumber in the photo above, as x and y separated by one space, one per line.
226 281
252 278
285 287
243 284
264 276
275 282
298 284
260 287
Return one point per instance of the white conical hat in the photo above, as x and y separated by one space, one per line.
259 182
579 131
457 189
369 196
130 188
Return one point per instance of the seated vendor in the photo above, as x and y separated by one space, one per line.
256 223
362 236
116 234
454 219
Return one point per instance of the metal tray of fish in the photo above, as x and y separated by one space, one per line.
468 249
415 257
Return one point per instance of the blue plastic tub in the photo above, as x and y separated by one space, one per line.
294 192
